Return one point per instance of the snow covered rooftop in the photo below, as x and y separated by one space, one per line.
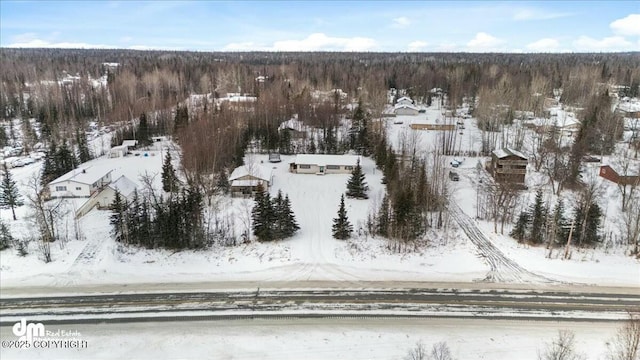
124 186
129 143
404 106
293 124
255 170
502 153
87 175
245 183
324 160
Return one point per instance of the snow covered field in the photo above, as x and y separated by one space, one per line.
321 339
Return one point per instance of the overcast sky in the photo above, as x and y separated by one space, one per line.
547 26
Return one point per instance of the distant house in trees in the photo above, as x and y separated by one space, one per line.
405 100
122 150
508 165
405 109
245 179
295 127
323 164
81 182
619 177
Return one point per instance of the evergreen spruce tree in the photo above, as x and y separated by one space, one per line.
356 186
538 219
142 135
9 196
591 235
84 154
341 227
383 220
277 205
223 182
519 232
169 179
65 160
290 225
4 141
262 215
5 236
312 146
390 169
49 168
117 219
560 223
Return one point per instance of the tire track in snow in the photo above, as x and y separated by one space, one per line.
502 268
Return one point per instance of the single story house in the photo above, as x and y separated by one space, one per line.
619 177
405 109
323 164
404 100
104 199
246 178
125 186
123 149
81 182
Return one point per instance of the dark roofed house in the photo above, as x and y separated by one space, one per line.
508 165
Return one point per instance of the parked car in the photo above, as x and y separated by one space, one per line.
454 176
590 159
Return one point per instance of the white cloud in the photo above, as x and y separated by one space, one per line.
401 22
537 14
39 43
612 43
244 46
322 42
544 45
417 45
484 42
629 25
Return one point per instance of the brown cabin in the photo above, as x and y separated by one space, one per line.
508 165
611 174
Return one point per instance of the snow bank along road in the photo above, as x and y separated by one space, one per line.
321 303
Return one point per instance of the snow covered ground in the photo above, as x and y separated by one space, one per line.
321 339
312 254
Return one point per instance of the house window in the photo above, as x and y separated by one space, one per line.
348 167
333 167
61 188
78 188
304 166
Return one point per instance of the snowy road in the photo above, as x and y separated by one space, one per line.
183 306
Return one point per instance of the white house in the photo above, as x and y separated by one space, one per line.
123 185
323 164
246 178
405 100
81 182
122 150
405 109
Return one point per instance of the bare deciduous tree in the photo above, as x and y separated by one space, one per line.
626 343
561 348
